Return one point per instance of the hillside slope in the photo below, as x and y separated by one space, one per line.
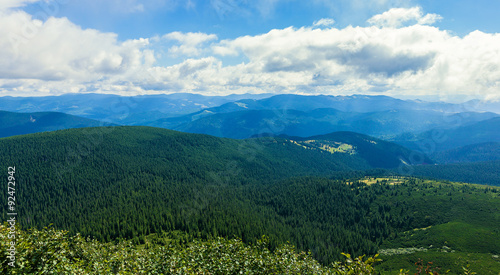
378 153
173 176
130 182
483 172
194 155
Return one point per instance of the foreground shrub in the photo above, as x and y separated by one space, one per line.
50 251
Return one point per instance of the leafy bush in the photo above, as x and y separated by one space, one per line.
50 251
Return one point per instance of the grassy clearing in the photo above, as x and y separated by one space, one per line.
385 180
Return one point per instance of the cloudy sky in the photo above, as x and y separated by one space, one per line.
447 50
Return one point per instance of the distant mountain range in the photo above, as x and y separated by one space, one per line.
120 109
442 139
383 124
355 103
470 153
132 110
12 124
411 123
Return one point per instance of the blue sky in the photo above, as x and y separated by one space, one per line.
233 18
446 50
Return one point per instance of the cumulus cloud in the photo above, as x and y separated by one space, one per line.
324 22
58 50
7 4
392 56
362 51
417 59
190 43
396 17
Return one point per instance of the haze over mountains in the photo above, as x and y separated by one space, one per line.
116 109
119 109
453 137
140 183
411 123
327 174
250 137
12 124
383 124
379 116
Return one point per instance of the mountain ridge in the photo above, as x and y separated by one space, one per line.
247 123
12 123
462 135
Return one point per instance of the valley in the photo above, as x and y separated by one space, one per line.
219 137
131 183
326 193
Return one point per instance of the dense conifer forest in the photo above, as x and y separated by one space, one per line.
142 184
484 172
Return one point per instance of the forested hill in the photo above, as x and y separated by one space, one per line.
171 152
121 182
378 153
120 151
71 177
116 183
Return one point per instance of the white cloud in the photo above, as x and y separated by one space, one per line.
8 4
325 22
59 50
396 17
57 56
190 43
417 59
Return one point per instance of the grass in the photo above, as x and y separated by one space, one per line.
386 180
331 147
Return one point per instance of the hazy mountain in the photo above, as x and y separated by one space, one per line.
120 109
12 124
482 105
136 110
445 139
242 116
469 153
247 123
354 103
